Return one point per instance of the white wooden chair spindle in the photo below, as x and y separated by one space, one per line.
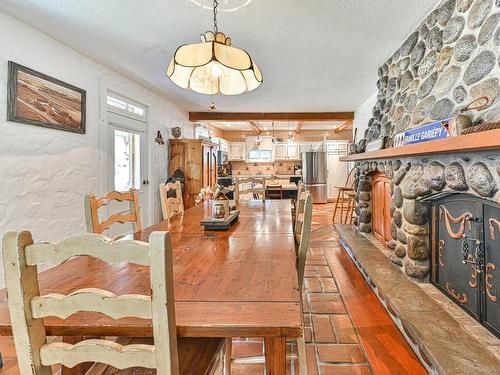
28 308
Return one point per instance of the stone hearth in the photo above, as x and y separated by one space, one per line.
411 178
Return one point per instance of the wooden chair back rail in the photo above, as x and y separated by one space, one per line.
299 214
97 246
260 191
171 206
92 205
27 307
305 234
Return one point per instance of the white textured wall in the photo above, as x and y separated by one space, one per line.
45 173
362 115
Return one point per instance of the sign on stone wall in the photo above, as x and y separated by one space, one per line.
429 132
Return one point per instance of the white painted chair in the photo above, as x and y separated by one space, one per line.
28 308
171 206
93 204
258 188
299 215
304 220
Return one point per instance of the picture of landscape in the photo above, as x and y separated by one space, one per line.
37 99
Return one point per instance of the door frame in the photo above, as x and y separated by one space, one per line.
106 158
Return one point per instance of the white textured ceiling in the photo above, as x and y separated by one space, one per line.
316 55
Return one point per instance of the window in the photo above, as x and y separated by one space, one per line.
126 107
127 160
201 132
260 155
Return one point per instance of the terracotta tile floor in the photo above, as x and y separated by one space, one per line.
334 344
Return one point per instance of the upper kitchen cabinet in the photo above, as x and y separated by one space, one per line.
287 152
237 151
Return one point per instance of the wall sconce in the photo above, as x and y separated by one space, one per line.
159 138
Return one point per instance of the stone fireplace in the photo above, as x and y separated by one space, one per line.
412 179
451 59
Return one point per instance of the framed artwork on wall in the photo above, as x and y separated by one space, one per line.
37 99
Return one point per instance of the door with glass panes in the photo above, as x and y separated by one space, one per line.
127 151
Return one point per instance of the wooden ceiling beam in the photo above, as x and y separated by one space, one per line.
271 116
344 126
255 127
298 129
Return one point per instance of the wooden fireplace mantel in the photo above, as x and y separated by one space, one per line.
483 141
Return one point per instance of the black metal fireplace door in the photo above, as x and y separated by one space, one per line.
465 254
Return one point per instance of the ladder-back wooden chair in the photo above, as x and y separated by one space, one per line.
171 206
304 219
258 188
299 213
92 205
166 354
342 200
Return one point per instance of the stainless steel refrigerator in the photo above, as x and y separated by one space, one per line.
314 174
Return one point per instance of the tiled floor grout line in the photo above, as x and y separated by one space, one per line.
360 343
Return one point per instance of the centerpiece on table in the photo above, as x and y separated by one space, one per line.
223 214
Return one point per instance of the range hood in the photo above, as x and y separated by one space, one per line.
259 149
258 143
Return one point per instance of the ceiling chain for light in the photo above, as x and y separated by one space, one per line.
216 4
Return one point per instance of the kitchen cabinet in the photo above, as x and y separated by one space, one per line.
223 145
294 152
237 151
287 152
196 158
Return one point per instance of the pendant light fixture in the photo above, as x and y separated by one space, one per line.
213 66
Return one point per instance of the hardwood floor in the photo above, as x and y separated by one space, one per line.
347 330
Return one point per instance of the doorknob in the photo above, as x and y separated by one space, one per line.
145 182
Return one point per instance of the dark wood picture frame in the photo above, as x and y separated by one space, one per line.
12 102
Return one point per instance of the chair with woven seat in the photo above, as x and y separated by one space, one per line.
93 204
171 206
164 352
340 203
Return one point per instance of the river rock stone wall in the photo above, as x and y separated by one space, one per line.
451 59
411 178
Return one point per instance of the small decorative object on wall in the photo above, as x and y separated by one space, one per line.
38 99
159 138
176 132
461 122
429 132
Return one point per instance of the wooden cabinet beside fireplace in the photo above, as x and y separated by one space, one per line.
196 158
381 212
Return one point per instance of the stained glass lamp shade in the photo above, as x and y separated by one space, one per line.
214 67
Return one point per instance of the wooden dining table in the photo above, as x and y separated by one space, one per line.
241 282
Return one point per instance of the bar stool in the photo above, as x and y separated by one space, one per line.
351 206
274 191
341 195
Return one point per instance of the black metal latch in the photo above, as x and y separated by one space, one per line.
477 257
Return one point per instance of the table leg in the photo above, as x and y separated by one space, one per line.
275 349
